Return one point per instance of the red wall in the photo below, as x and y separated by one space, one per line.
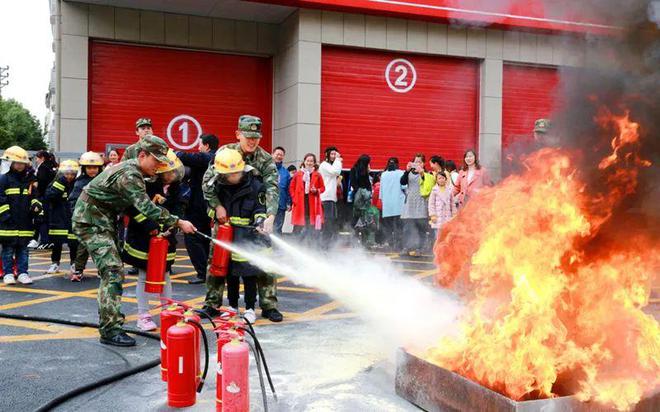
360 113
128 82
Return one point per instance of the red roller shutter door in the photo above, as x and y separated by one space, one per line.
361 113
212 89
528 93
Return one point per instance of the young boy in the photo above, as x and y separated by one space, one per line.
244 198
91 164
19 208
59 216
167 192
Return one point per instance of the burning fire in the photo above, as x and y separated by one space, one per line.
554 309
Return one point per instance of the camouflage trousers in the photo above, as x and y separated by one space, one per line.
81 258
215 287
101 245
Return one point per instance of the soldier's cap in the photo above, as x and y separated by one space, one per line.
250 126
542 126
142 121
155 146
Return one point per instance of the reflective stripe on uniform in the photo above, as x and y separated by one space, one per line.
138 254
58 232
35 202
211 213
25 233
71 236
258 215
140 218
58 186
4 208
8 233
171 256
241 221
13 191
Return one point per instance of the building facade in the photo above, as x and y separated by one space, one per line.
381 78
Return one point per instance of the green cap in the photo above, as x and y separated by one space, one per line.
250 126
143 121
155 146
542 126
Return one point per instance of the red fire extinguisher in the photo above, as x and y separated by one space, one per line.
157 264
181 369
189 315
221 256
168 318
225 335
235 385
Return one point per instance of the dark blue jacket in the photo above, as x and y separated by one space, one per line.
283 183
197 163
59 215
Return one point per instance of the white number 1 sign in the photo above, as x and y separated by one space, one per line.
183 141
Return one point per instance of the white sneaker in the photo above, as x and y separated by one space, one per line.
146 323
54 268
250 316
24 278
9 279
33 244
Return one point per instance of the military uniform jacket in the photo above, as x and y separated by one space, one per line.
113 192
59 216
18 201
140 228
244 202
262 165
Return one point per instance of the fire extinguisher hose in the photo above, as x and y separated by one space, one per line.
206 351
261 376
98 383
260 350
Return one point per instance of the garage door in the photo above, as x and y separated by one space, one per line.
528 94
392 104
185 93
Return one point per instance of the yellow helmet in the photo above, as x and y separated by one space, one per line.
228 161
16 154
173 163
91 159
69 166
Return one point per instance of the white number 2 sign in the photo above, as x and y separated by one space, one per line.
403 73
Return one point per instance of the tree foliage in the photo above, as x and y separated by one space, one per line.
19 127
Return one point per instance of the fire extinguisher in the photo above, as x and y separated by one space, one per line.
234 382
183 382
225 334
168 317
221 256
181 370
157 264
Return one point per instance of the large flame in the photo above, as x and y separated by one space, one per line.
545 317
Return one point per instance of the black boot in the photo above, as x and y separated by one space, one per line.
120 339
211 311
272 315
196 281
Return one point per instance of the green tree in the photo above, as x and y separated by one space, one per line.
19 127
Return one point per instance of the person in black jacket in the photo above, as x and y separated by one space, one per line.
244 198
197 163
59 216
91 165
170 193
20 211
46 169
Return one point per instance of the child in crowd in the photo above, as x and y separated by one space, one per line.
441 202
243 196
91 165
59 214
20 213
168 192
